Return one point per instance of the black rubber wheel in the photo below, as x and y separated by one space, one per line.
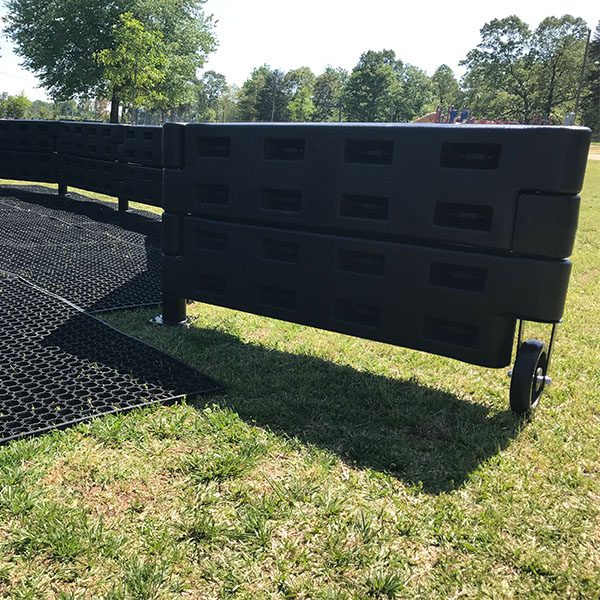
528 376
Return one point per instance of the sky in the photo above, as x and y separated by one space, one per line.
317 33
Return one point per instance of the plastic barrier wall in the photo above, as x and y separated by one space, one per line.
433 237
119 160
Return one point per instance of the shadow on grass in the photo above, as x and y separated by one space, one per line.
83 209
422 435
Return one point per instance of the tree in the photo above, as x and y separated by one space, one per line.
134 67
212 87
188 39
300 85
374 86
14 107
558 47
500 68
228 104
446 89
250 92
274 97
416 94
61 40
518 74
327 95
591 94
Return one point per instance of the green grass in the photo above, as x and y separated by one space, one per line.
333 467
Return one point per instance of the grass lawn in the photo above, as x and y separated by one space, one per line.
332 468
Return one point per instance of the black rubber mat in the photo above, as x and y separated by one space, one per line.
59 366
61 258
82 250
81 210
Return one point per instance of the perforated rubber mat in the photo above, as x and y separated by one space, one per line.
60 259
59 366
85 251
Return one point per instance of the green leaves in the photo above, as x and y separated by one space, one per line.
516 73
174 36
374 87
135 66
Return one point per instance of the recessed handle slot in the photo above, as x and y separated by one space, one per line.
284 149
364 263
451 332
213 147
356 313
278 250
458 277
369 152
281 200
276 297
463 216
364 207
148 135
212 194
210 240
470 156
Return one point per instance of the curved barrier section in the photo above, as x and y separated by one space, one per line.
118 160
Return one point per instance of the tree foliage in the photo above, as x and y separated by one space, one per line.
445 87
147 54
273 95
134 68
211 90
327 94
416 95
516 73
300 88
14 107
591 94
250 94
374 86
62 41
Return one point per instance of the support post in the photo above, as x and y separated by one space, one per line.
123 205
174 310
62 189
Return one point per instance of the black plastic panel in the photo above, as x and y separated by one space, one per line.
28 136
142 145
90 140
29 166
104 177
435 183
142 184
454 303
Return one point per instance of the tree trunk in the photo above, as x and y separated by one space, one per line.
114 109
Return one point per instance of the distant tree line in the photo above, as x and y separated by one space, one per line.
146 58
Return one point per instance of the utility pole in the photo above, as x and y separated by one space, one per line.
582 74
274 93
